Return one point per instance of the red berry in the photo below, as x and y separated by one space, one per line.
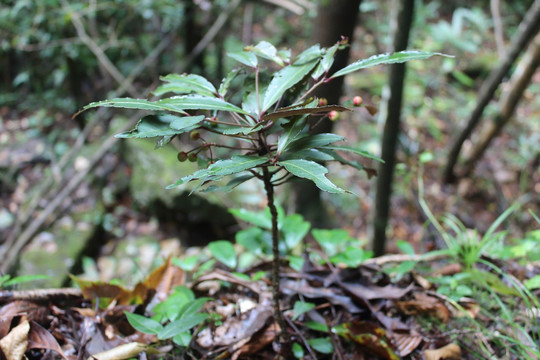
357 101
333 115
323 102
182 156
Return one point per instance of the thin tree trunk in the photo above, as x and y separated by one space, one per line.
391 129
509 100
335 18
528 28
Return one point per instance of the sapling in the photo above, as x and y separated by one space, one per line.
260 131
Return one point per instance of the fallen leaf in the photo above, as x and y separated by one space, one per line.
425 305
449 352
40 338
15 343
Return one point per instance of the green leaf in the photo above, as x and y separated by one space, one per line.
292 130
322 345
181 325
185 84
244 57
143 324
226 82
298 351
405 247
266 50
175 104
313 141
310 54
311 170
356 151
230 185
284 80
294 229
317 326
301 307
307 154
398 57
288 112
186 122
152 126
236 164
224 252
261 219
199 102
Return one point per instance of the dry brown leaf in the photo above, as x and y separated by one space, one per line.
406 343
258 342
449 352
424 304
450 269
40 338
15 343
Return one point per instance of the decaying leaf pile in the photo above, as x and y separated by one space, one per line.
355 313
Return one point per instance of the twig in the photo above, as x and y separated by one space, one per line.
306 344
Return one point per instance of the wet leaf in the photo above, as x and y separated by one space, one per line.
312 171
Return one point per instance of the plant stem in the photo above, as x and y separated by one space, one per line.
269 188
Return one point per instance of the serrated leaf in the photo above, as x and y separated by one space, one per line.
230 185
186 122
326 61
143 324
236 164
310 54
244 57
313 141
175 104
151 126
356 151
185 84
307 154
199 102
266 50
398 57
284 80
224 252
283 113
312 171
292 130
226 82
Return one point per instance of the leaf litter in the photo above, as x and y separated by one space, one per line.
359 313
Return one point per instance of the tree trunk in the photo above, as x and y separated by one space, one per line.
509 100
391 129
335 18
528 28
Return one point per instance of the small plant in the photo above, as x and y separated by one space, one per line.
262 130
173 318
